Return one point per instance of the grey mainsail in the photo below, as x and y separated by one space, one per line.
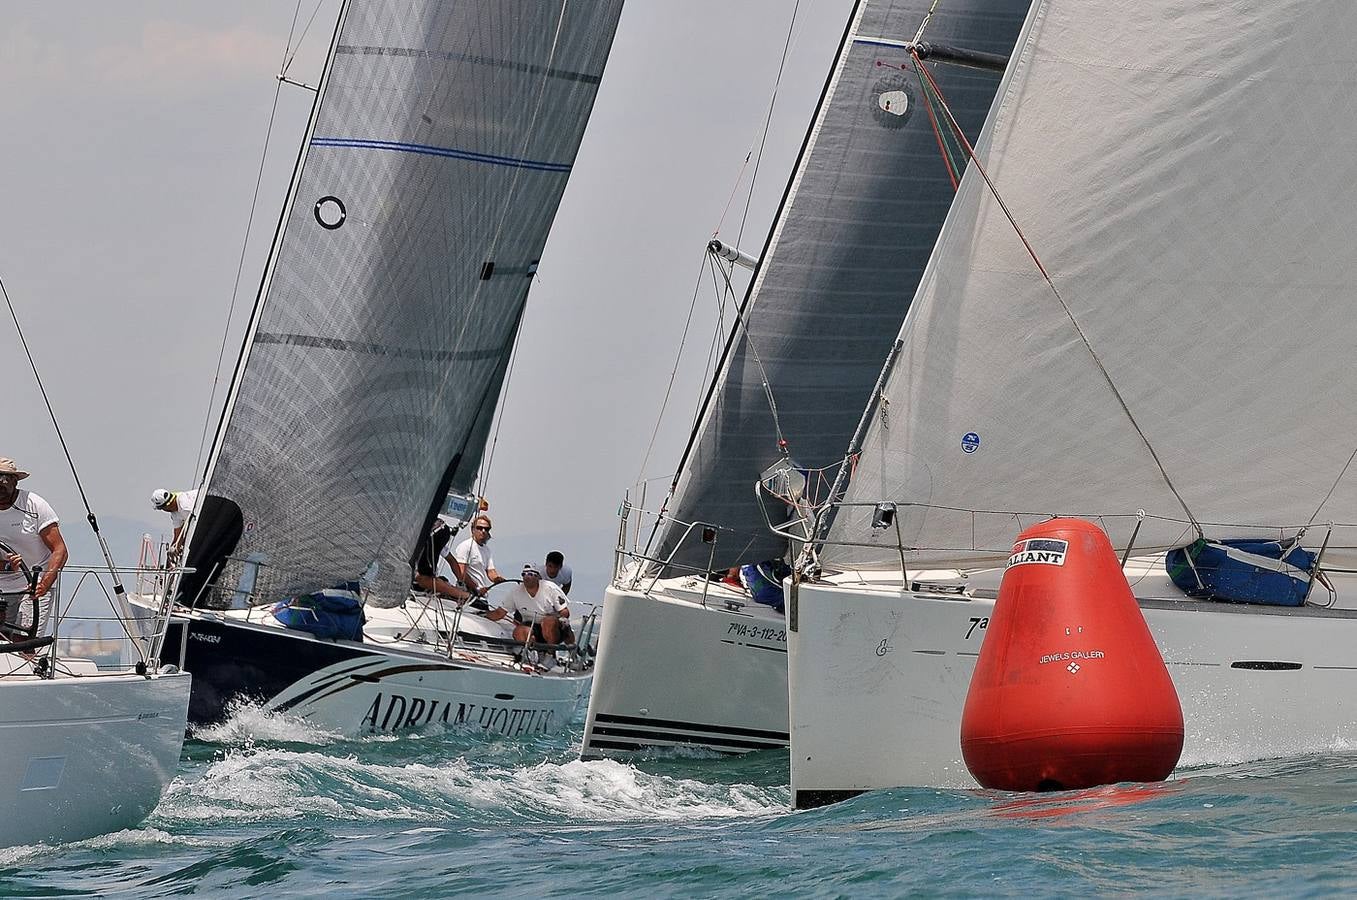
438 152
854 232
1180 171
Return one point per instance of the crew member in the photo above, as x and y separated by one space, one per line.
431 548
180 505
557 572
471 562
29 525
538 607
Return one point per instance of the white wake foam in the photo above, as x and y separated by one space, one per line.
247 723
281 784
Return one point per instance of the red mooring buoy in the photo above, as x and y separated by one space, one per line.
1070 690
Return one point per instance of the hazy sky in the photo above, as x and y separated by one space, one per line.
131 136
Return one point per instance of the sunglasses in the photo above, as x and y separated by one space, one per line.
480 528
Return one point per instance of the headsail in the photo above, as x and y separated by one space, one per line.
862 210
1180 172
439 150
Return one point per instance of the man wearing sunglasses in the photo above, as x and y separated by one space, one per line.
29 525
471 561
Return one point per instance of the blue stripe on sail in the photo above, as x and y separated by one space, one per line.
441 151
877 42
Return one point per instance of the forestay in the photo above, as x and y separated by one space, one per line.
1182 171
438 153
856 226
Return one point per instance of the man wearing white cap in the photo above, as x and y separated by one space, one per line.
538 608
29 525
179 504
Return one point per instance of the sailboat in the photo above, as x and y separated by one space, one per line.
438 148
687 659
1139 313
90 744
88 750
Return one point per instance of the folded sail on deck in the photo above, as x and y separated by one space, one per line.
440 147
1183 173
856 227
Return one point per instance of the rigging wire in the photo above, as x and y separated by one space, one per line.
1069 314
70 462
483 473
301 37
288 55
1333 487
673 372
483 477
919 35
767 123
758 360
744 216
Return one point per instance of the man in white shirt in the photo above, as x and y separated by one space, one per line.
539 609
471 561
29 525
557 572
180 505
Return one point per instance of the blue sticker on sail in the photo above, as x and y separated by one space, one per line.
970 442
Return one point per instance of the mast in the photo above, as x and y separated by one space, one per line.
1111 326
851 238
700 421
435 161
262 294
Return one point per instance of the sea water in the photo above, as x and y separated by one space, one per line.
266 806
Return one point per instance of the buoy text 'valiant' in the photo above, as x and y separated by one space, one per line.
1070 690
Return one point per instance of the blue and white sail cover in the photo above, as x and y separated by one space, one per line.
437 156
858 221
1183 172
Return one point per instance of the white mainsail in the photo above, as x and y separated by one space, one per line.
1182 172
439 149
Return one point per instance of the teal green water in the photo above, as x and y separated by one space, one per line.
264 807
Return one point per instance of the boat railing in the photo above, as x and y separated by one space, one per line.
431 622
447 620
90 619
635 566
993 532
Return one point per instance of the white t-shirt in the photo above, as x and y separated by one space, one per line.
19 527
549 600
477 561
562 578
186 501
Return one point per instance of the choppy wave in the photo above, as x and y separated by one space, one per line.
285 785
248 723
265 805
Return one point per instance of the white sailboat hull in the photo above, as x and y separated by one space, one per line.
675 672
878 677
88 754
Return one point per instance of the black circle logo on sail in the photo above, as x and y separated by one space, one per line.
330 213
892 101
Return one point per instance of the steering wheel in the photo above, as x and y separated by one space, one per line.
27 638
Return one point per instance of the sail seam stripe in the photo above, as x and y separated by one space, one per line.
531 69
323 343
453 152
